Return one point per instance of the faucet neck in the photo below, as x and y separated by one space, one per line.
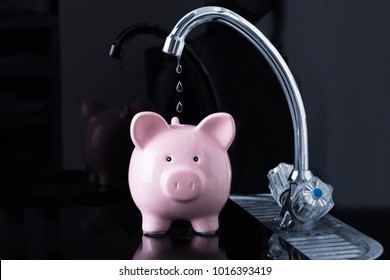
175 42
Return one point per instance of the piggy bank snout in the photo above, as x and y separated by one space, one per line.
182 184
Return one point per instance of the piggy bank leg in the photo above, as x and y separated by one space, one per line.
152 225
206 225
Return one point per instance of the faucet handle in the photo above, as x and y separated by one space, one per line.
311 200
279 183
303 201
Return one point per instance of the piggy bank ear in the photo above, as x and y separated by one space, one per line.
144 126
219 126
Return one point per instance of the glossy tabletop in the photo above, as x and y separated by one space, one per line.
65 217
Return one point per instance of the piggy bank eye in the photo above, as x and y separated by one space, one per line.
195 159
169 159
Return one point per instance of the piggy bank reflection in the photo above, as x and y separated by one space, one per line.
179 248
107 147
180 172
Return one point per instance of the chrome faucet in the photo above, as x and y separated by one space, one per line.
302 196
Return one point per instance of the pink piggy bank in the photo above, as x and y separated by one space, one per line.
180 172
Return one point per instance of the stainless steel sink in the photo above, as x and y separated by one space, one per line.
331 239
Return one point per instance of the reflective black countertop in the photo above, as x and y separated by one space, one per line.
114 232
65 217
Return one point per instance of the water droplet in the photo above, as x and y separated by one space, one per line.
179 87
179 68
179 107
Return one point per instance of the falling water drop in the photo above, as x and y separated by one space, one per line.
179 87
179 68
179 107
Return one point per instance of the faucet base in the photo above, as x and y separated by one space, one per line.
284 220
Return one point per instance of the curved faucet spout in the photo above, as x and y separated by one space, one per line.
116 49
174 45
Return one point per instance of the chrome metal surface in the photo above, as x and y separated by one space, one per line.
331 239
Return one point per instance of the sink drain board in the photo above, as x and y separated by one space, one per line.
331 239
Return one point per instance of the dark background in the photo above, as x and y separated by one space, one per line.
54 54
337 50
